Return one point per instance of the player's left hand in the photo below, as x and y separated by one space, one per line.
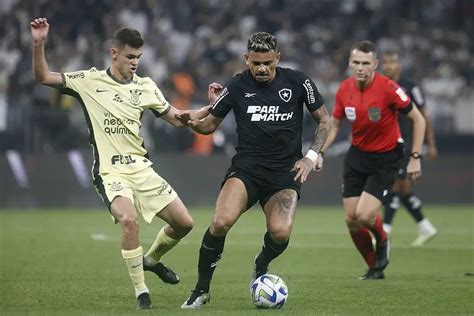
302 168
432 152
414 169
214 91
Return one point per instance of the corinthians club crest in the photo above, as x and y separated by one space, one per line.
135 96
285 94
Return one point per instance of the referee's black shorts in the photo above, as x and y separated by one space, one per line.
371 172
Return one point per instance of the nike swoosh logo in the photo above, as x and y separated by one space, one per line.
133 267
101 90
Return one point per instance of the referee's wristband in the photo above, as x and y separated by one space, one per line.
313 156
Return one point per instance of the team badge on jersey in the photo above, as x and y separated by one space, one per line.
350 113
135 96
285 94
374 114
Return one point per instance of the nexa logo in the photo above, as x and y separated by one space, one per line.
267 113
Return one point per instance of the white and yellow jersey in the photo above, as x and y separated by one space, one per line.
113 110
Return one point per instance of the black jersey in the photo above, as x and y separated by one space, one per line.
416 95
269 118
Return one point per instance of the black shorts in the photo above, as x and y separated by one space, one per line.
373 173
261 187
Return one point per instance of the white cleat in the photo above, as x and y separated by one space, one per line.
197 299
424 236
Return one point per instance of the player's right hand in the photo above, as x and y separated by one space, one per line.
319 163
214 91
39 29
184 117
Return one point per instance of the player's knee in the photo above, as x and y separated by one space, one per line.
352 222
280 234
221 226
129 223
366 219
187 225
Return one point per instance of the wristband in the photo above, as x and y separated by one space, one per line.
313 156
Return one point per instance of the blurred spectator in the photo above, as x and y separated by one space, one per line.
201 41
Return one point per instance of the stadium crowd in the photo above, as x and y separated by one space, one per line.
192 43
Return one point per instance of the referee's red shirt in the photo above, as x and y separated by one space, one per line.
372 112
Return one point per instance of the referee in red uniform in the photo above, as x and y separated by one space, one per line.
371 102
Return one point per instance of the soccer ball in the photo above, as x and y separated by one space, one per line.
269 291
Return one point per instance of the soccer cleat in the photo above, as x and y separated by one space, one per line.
373 274
424 236
144 301
382 254
163 272
197 299
258 269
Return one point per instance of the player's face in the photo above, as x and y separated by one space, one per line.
363 66
262 65
126 59
391 66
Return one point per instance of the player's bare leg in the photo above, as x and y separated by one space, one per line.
124 212
280 213
231 203
179 225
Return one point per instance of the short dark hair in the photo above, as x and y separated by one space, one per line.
128 36
262 42
365 46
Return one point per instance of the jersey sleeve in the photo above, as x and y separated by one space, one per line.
398 98
76 81
160 105
338 110
313 99
417 96
224 103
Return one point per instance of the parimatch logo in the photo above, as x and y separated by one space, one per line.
267 113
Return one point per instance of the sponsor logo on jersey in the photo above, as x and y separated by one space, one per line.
122 159
267 113
309 91
113 125
117 98
249 95
350 113
101 90
374 114
285 94
76 75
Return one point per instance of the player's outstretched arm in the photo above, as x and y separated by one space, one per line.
304 166
39 33
180 118
430 136
419 125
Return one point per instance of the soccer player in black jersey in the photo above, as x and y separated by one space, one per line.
268 166
403 188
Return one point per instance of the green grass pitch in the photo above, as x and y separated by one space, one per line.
68 262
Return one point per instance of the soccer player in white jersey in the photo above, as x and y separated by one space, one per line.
113 101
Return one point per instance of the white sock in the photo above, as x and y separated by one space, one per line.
425 225
387 228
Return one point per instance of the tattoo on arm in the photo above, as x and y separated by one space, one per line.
322 118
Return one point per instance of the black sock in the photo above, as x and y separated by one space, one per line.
270 250
413 205
209 253
392 202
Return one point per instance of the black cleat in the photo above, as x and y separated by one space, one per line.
163 272
382 254
144 301
198 299
259 269
373 274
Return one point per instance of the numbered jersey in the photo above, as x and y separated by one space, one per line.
372 112
113 110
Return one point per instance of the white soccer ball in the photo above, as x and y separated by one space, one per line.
269 291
